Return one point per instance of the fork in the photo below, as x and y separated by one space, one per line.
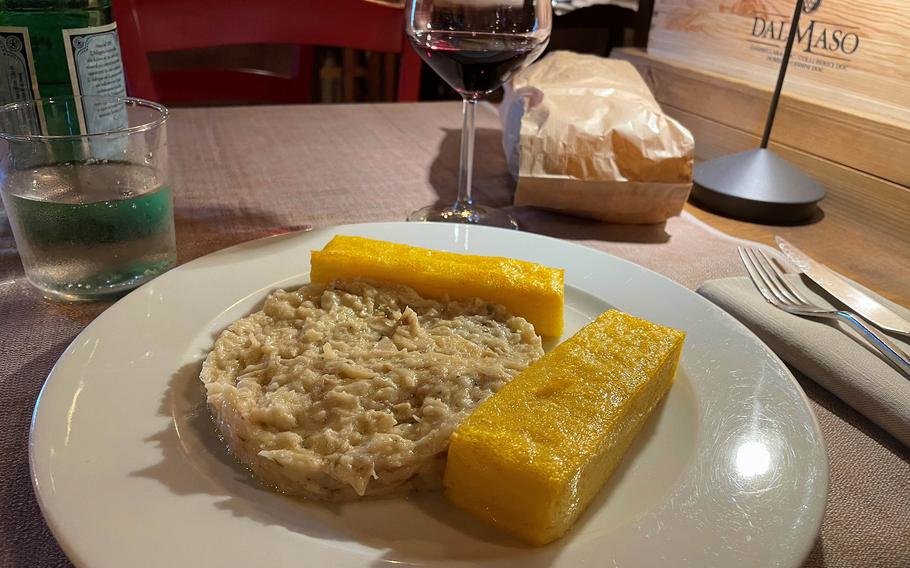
779 293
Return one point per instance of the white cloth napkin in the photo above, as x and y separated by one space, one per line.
849 368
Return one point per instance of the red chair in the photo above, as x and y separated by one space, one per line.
154 26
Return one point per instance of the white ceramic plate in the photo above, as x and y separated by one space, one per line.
730 471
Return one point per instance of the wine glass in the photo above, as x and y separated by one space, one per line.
475 46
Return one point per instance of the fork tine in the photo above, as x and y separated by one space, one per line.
766 277
770 287
754 275
789 292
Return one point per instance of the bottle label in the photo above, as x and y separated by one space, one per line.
17 66
95 67
18 81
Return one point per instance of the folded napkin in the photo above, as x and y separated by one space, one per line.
850 369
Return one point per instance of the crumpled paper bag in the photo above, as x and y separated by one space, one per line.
584 136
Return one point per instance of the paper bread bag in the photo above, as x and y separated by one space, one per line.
583 135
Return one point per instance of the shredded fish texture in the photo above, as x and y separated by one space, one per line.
353 389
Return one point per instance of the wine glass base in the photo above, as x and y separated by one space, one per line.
475 215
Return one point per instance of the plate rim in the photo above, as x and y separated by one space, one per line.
823 479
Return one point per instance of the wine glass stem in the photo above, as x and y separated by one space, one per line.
466 169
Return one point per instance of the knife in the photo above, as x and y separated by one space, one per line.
860 302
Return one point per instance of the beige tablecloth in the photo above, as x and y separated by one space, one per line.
246 173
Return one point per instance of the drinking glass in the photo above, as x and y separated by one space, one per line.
475 46
86 187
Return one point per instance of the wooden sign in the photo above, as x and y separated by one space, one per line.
849 54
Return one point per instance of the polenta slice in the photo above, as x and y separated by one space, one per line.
531 457
532 291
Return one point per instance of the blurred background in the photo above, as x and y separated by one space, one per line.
319 74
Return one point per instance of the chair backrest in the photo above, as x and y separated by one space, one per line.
155 26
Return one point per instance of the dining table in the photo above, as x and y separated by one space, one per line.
242 173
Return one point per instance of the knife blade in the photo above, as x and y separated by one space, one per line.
829 280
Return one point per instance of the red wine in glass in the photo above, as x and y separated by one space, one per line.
476 64
475 46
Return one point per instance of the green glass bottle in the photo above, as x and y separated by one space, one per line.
61 47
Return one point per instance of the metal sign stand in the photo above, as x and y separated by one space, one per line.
757 185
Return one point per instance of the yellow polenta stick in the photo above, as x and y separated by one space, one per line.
532 456
532 291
